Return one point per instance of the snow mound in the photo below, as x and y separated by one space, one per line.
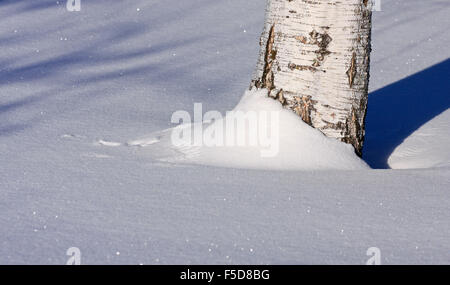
266 137
428 147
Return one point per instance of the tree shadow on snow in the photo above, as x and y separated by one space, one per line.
399 109
59 71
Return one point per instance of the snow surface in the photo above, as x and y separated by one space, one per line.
74 84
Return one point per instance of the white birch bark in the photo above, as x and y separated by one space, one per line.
315 60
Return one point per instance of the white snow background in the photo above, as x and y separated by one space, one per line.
72 84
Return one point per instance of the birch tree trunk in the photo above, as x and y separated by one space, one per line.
314 59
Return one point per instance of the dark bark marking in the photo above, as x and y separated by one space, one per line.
268 76
280 97
293 66
351 72
303 107
322 40
352 132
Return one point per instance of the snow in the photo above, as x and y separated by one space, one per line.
428 147
270 137
75 87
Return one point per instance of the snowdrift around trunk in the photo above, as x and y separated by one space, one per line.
258 134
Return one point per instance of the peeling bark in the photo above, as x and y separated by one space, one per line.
315 59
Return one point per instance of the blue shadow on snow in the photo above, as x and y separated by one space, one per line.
397 110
